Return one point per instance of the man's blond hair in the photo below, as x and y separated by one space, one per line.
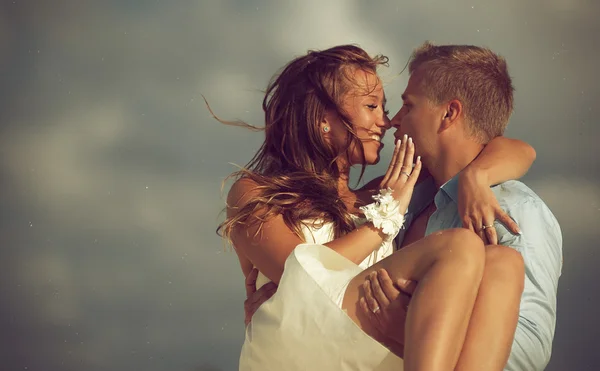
474 75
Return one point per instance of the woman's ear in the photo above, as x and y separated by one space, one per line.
326 123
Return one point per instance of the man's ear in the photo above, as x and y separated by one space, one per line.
450 115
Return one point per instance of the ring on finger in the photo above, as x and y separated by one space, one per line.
405 173
375 310
486 227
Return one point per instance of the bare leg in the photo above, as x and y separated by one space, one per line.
496 310
449 267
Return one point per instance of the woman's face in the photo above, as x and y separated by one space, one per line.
364 104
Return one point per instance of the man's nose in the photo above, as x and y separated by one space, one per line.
387 124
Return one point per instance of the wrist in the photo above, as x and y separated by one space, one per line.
384 214
475 175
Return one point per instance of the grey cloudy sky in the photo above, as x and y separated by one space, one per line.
111 166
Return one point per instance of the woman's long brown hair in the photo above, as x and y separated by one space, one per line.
295 170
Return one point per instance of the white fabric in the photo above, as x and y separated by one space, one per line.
385 213
324 234
302 326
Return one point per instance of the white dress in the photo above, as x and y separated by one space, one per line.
302 326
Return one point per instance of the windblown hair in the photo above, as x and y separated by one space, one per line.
474 75
295 170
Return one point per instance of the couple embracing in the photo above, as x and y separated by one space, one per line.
446 262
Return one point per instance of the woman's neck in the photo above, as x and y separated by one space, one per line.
343 181
348 196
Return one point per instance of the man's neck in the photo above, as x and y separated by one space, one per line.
452 159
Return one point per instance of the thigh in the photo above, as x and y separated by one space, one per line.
411 262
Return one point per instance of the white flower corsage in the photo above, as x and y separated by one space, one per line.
385 213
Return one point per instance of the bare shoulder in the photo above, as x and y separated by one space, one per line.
240 193
262 239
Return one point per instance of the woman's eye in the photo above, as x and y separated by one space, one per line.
373 107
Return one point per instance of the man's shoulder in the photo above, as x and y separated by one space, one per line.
515 193
516 197
533 216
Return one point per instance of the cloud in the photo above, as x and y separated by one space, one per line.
112 165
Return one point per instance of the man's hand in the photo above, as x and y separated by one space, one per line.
255 298
386 303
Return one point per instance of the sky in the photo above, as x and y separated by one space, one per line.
111 166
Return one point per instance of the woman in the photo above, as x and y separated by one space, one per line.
325 113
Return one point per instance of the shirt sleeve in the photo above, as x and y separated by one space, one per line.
540 244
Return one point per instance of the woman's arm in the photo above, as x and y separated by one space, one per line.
268 248
502 159
268 244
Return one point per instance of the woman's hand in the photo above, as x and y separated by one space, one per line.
479 208
401 177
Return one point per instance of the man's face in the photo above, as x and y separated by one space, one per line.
418 118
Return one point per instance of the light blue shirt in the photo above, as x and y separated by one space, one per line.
540 244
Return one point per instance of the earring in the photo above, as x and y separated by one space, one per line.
326 129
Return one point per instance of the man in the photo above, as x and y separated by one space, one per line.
458 98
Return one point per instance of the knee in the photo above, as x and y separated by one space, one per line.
466 246
506 264
465 241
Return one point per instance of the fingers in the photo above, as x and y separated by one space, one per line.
467 224
371 301
387 285
368 312
505 219
489 230
390 169
406 286
377 291
491 235
261 295
251 282
400 159
365 308
409 157
404 301
256 299
407 289
481 233
477 224
412 179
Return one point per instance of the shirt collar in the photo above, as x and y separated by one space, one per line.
449 189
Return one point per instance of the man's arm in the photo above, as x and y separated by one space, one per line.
540 244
